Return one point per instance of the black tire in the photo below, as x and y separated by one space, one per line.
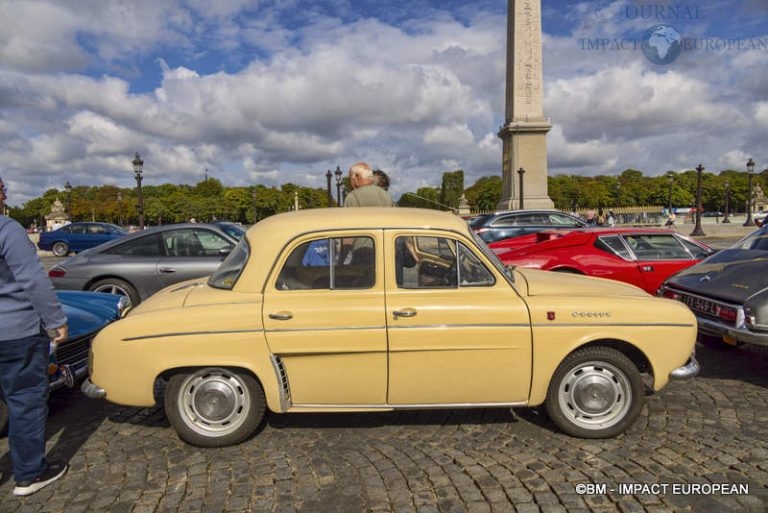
214 407
117 286
3 417
596 392
60 249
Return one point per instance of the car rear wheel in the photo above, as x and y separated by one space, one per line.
596 392
214 407
60 249
117 286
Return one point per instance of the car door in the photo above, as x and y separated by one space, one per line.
77 236
458 331
190 253
323 314
659 255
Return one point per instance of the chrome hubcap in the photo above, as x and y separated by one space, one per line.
214 402
595 395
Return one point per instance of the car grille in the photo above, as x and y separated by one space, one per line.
74 352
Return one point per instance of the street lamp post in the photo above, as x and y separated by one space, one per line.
328 176
726 219
339 182
750 170
255 208
68 188
120 209
671 183
697 231
521 172
138 168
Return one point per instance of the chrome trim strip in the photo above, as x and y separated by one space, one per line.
185 333
616 324
425 406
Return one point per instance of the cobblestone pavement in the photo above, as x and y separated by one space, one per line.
692 436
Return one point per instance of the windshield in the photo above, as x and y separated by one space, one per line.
757 240
230 269
492 256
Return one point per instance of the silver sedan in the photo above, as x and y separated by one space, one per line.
140 264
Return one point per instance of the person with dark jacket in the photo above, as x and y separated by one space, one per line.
32 320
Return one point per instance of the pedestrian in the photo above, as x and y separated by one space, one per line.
591 217
32 321
365 192
381 179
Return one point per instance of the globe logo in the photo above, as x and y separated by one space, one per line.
661 44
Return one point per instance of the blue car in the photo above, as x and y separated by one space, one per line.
87 313
76 237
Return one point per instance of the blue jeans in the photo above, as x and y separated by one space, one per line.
24 382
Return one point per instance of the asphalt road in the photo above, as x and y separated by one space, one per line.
699 446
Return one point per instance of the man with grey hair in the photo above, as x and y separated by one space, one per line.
32 320
365 192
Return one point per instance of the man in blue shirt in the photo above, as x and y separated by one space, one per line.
32 319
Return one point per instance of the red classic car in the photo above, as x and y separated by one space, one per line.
644 257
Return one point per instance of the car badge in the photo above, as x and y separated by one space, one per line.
706 277
550 316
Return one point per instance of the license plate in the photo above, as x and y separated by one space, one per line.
699 304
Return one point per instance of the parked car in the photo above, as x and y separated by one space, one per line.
87 313
141 263
643 257
236 230
513 223
728 291
77 237
712 213
410 310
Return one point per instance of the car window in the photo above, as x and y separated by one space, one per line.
562 220
695 250
193 242
96 229
146 246
438 262
73 228
613 244
657 247
330 263
229 271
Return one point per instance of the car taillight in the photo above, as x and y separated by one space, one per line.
57 273
670 294
726 314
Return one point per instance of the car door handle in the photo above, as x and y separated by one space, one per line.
405 312
281 316
167 270
646 268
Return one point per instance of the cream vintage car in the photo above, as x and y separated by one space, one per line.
372 309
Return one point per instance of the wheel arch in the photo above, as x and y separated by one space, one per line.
542 379
272 387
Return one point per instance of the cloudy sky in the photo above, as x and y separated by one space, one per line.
282 90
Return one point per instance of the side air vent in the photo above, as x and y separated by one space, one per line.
282 377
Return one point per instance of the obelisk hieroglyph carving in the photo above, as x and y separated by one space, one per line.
524 133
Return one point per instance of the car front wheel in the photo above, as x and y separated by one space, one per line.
60 249
214 407
596 392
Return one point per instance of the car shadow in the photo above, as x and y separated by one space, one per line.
72 419
744 363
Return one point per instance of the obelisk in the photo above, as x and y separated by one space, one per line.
524 134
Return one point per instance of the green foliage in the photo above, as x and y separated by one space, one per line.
209 199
